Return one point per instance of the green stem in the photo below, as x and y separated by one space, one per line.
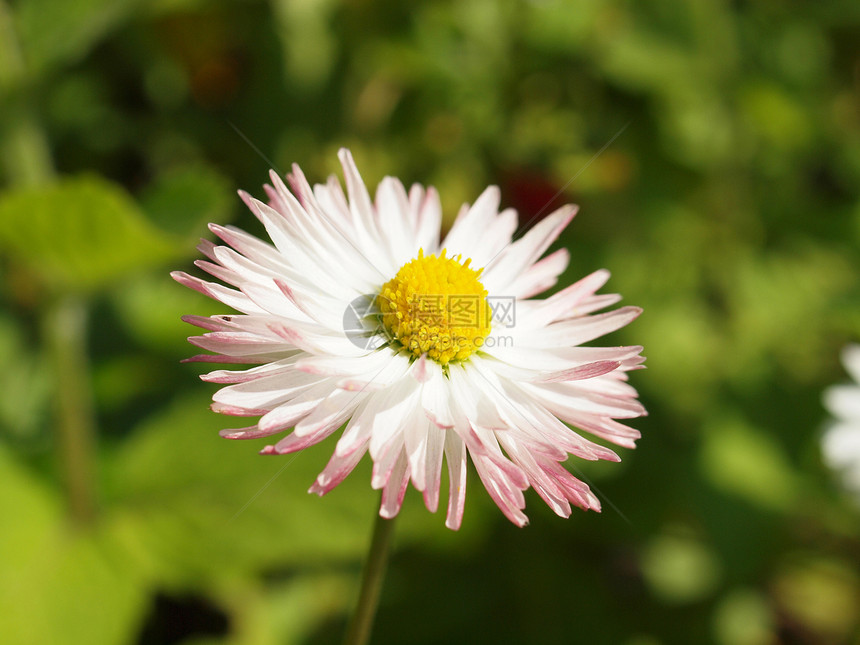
358 632
65 332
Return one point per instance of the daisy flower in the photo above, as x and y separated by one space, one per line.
357 313
840 444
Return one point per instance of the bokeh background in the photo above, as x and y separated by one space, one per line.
726 205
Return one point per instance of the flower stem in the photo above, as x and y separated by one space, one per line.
65 331
358 632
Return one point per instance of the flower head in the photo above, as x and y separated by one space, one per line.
840 444
357 314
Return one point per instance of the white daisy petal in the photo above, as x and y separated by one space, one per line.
484 443
395 406
415 435
474 224
273 301
840 443
540 276
580 372
356 435
577 492
564 302
288 414
428 210
334 246
503 270
330 414
395 489
546 487
315 306
435 445
372 379
469 398
327 417
314 339
588 401
330 206
385 460
337 469
243 376
851 361
294 442
250 432
392 205
577 330
455 455
237 344
254 249
266 391
230 297
507 496
843 401
529 364
358 323
363 213
332 365
435 398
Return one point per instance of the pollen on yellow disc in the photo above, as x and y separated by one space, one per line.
438 306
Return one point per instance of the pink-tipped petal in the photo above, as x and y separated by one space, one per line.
395 489
336 471
455 455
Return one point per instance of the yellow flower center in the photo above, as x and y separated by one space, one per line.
436 305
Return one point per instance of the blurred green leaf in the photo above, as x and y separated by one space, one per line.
117 381
192 504
823 593
309 46
679 338
744 461
57 585
80 233
54 33
24 390
782 308
743 617
285 611
680 569
35 511
184 200
775 117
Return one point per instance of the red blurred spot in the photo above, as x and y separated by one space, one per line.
531 193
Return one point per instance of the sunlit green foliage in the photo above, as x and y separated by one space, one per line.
714 149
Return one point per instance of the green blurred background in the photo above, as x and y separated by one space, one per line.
727 207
